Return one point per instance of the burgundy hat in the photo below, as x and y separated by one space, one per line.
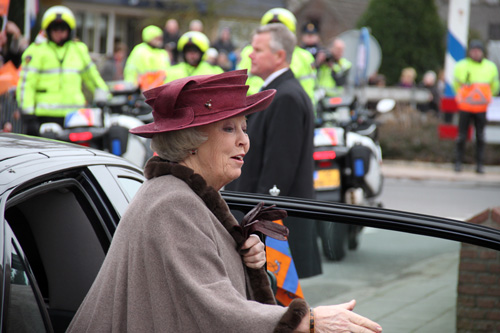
200 100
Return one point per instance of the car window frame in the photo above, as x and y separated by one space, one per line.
101 174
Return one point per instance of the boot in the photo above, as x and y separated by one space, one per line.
480 156
480 168
459 154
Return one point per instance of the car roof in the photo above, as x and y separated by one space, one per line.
22 155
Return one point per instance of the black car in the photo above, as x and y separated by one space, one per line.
60 205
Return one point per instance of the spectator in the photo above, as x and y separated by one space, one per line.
112 68
429 82
224 42
12 44
212 56
407 78
171 35
224 61
196 25
282 140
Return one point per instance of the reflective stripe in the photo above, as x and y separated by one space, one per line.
306 77
28 111
58 106
60 71
22 92
89 65
56 70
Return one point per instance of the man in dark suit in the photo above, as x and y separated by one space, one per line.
281 139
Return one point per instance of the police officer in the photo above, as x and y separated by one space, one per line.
475 82
148 63
193 45
310 39
333 72
302 64
52 73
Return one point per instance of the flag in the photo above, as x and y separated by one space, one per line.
4 7
4 12
280 263
32 9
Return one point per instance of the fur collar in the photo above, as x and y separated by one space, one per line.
157 167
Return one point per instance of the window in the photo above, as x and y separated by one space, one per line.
23 312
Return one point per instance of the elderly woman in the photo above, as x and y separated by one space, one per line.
179 261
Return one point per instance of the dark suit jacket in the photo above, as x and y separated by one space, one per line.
281 154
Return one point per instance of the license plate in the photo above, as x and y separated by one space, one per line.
326 179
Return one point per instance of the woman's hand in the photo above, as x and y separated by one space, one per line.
339 318
254 254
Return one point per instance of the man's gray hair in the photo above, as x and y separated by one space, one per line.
175 146
281 38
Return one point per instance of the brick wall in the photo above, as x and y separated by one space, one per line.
478 301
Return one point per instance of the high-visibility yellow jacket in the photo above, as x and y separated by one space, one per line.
302 66
184 69
146 60
475 83
327 73
51 77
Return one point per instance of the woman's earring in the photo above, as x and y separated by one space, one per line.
193 151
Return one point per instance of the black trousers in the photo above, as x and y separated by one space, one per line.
479 122
31 124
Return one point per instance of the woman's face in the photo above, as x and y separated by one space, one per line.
220 158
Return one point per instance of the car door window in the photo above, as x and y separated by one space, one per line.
23 310
61 227
130 185
408 272
404 282
118 184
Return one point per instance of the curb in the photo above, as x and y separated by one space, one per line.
436 171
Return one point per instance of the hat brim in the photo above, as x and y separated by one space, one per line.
254 103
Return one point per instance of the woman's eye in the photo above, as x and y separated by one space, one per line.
229 129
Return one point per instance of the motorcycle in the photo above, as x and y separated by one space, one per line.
106 126
348 161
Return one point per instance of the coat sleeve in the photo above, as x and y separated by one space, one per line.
28 78
284 139
90 74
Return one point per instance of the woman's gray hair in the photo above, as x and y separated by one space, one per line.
281 38
175 146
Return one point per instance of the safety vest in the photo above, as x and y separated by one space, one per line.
475 83
184 69
302 66
474 97
146 66
51 77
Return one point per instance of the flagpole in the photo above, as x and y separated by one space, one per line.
27 21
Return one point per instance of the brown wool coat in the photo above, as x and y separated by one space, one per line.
173 266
